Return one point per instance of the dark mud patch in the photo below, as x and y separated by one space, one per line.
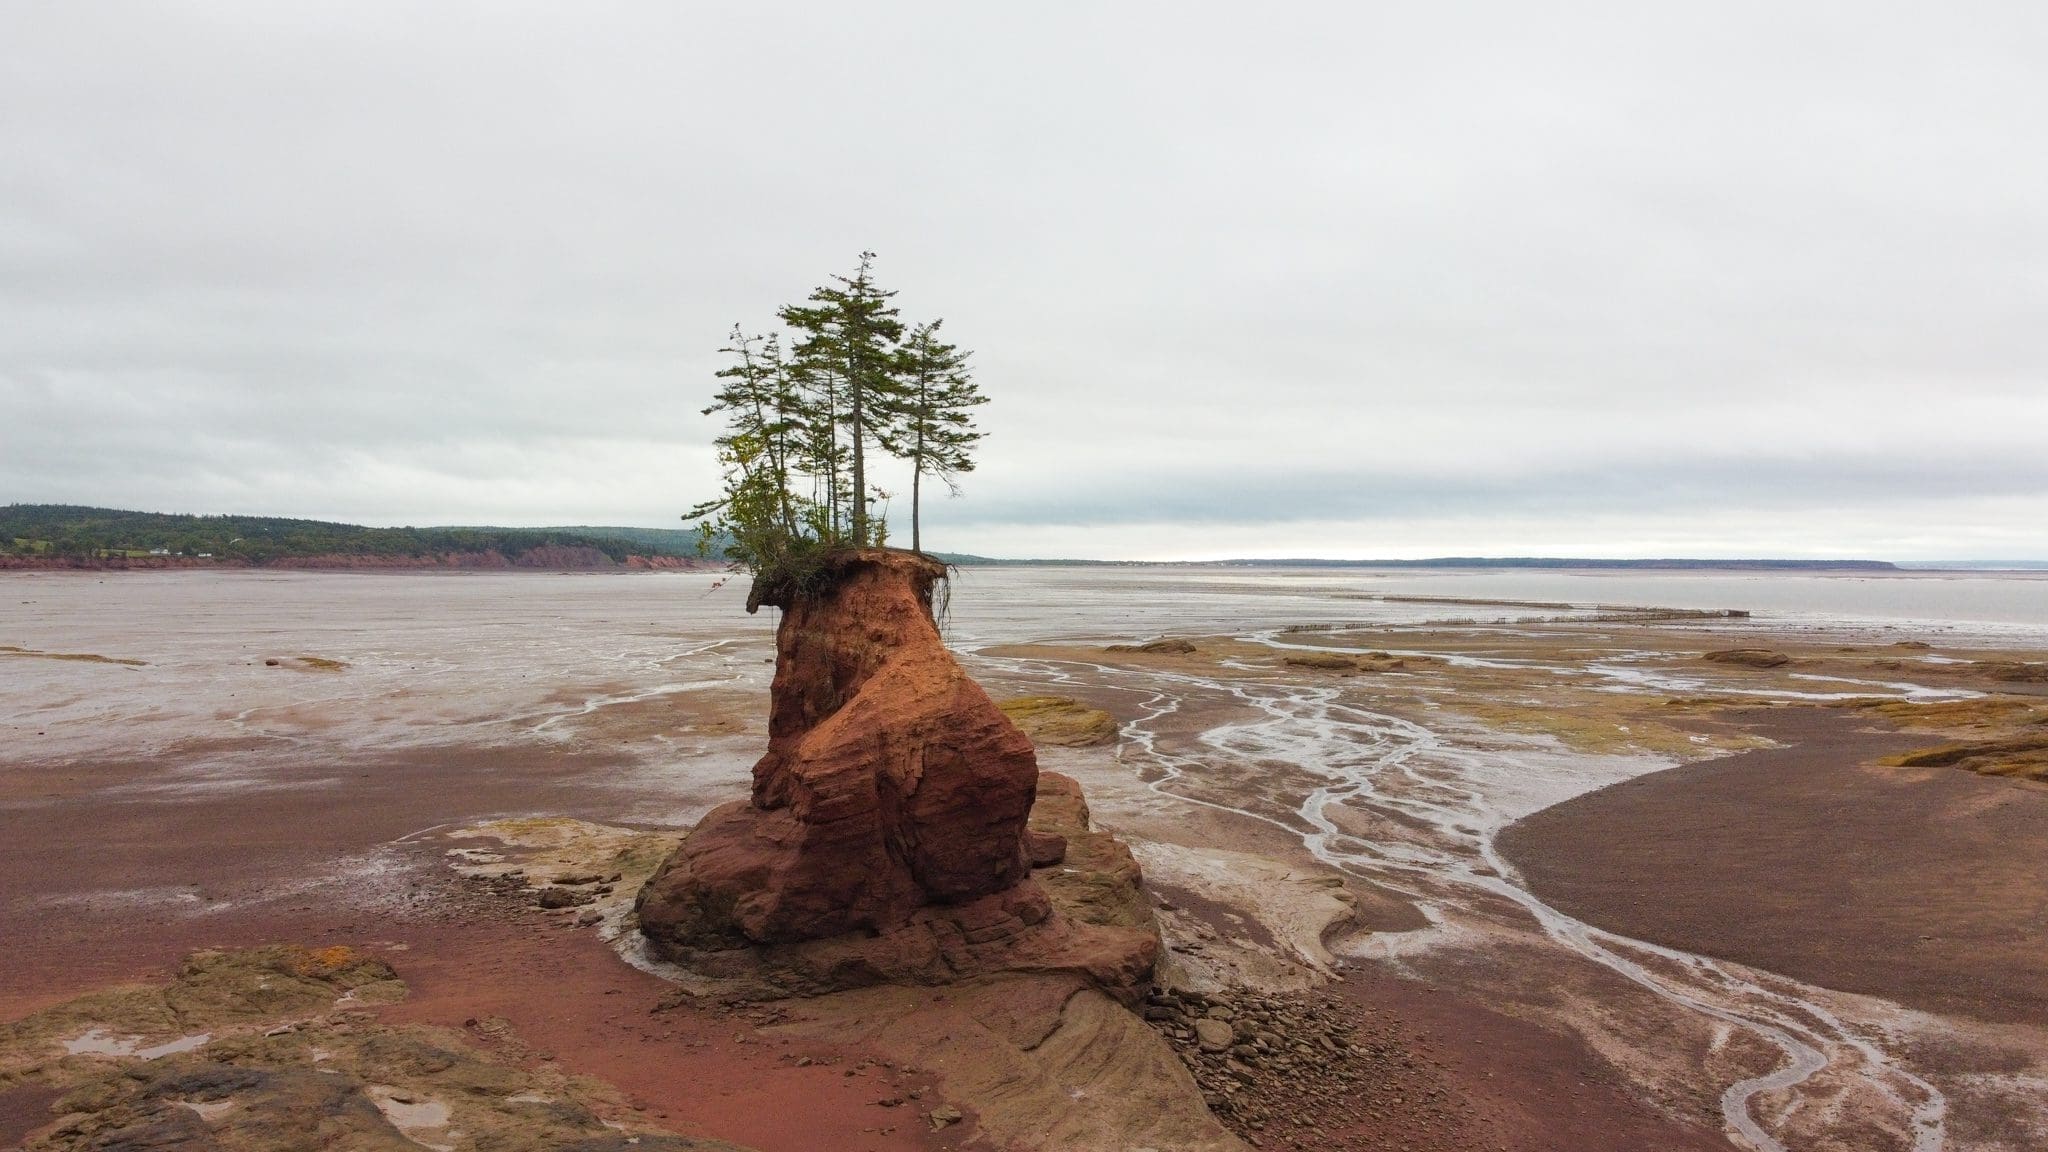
1928 887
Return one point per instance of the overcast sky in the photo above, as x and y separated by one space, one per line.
1302 279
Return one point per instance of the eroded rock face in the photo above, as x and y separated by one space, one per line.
885 839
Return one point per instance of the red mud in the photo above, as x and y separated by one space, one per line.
698 1072
71 831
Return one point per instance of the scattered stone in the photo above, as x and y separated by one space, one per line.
944 1116
1291 1069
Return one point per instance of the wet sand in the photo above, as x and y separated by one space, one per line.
111 869
205 799
1924 886
1410 781
1529 1088
94 891
466 956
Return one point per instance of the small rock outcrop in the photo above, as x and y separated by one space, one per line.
1749 657
885 838
1170 646
1060 720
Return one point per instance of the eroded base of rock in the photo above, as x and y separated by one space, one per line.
1082 913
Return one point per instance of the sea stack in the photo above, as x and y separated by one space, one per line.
885 839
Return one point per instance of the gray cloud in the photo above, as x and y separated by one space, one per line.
1202 498
1472 274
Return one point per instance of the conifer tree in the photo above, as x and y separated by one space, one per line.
846 345
804 418
932 424
816 451
764 423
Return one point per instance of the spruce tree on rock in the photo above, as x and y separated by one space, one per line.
764 426
932 422
801 415
846 343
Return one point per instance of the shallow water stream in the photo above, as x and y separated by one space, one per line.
1456 797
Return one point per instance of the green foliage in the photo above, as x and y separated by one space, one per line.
799 427
846 357
644 541
931 419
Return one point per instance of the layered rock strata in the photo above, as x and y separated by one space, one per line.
886 837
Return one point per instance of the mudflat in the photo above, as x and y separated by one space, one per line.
1924 886
1347 812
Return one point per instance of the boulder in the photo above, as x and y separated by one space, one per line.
1044 849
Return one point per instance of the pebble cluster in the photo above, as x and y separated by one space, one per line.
1301 1071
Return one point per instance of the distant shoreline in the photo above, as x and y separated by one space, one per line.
599 564
1536 563
448 562
65 536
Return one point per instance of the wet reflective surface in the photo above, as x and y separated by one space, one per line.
226 675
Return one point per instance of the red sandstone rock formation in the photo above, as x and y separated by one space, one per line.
885 839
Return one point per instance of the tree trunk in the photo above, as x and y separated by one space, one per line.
832 460
860 477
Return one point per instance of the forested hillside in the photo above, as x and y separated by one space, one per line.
64 530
